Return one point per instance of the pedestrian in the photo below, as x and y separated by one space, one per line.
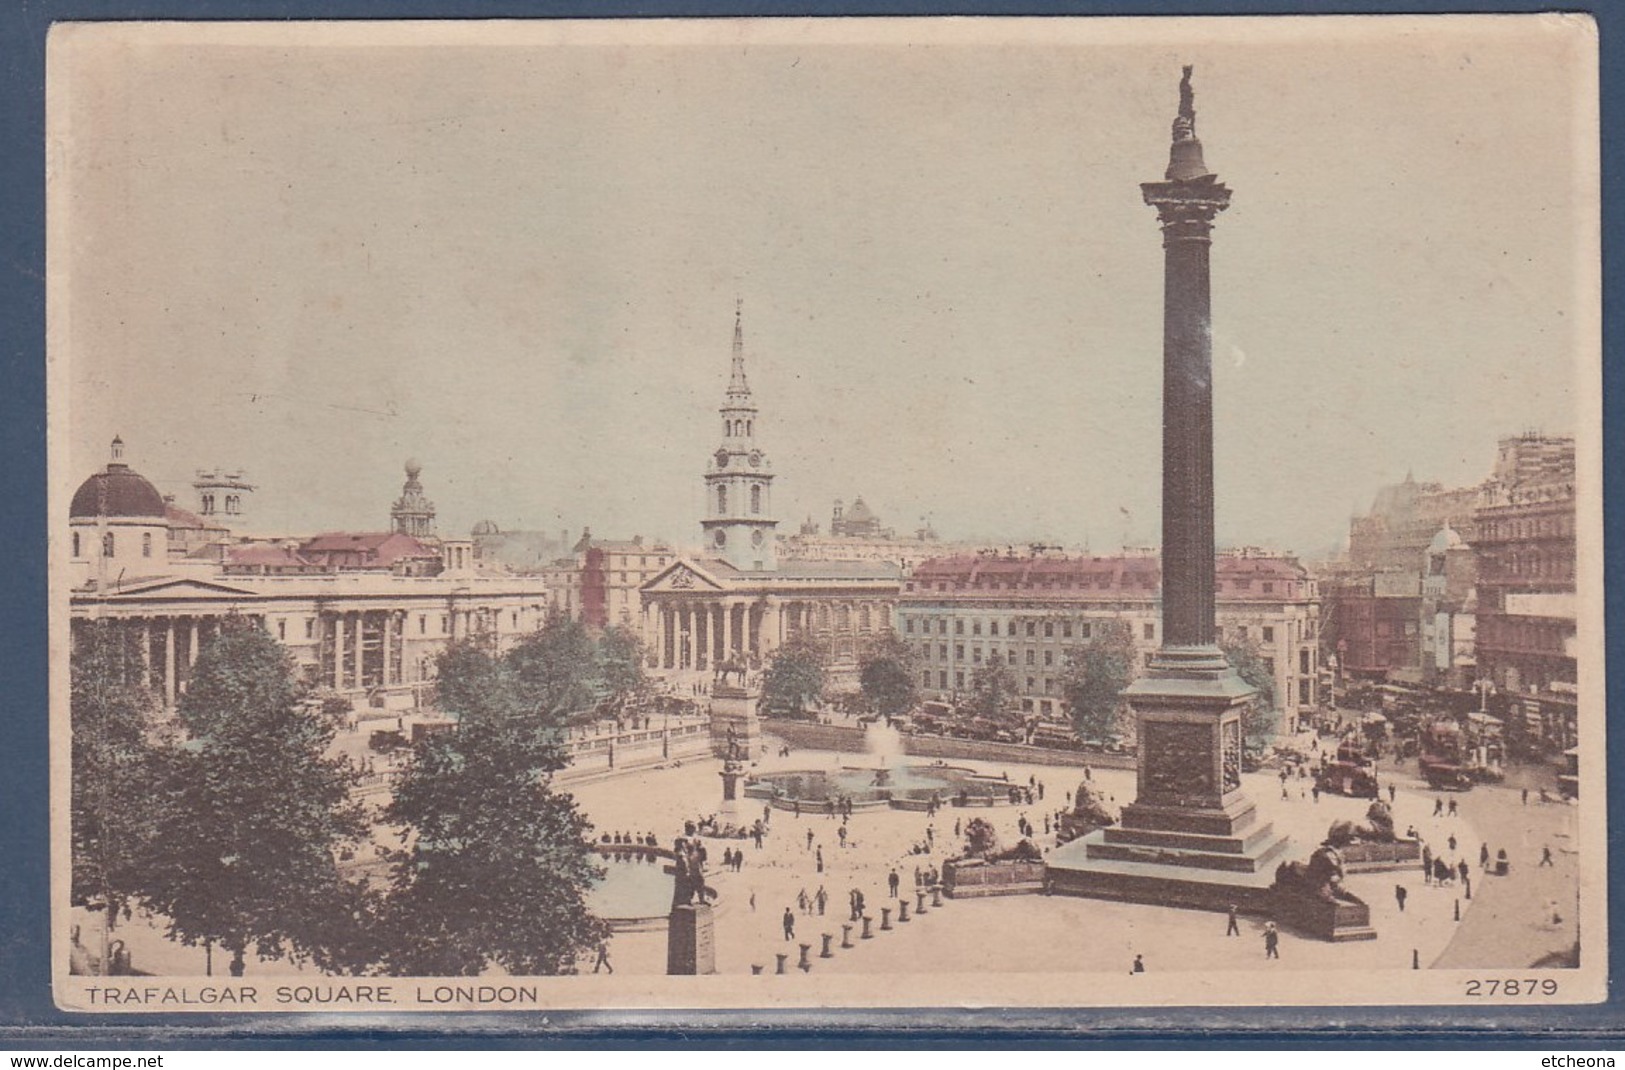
840 834
1139 964
820 858
957 830
1231 928
1545 857
753 900
1451 842
801 901
798 807
1438 806
1452 807
789 924
892 881
1316 792
1399 896
821 897
809 839
1463 870
603 958
1392 791
1427 864
1526 796
1272 941
1484 856
1284 794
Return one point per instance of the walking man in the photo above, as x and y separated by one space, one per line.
1438 806
1392 791
1427 864
1272 941
789 924
1399 896
1230 926
892 880
822 898
1545 856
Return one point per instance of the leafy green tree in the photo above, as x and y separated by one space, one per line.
111 812
887 674
557 668
1261 718
796 675
254 814
1094 679
620 665
993 691
497 864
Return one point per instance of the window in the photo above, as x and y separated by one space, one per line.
925 678
1031 683
107 544
76 544
281 629
925 651
942 679
515 616
959 627
1269 634
942 627
310 627
1066 629
1049 630
146 544
976 655
1303 662
1049 684
1150 630
1241 632
1032 657
423 623
1032 629
1303 693
755 498
445 623
1049 657
959 679
1084 629
908 626
976 628
722 501
942 651
993 628
1269 588
959 651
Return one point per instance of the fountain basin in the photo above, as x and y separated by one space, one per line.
906 787
635 893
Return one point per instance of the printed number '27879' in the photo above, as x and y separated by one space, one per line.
1513 986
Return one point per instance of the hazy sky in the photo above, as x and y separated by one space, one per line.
512 252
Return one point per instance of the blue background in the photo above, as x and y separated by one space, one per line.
28 1019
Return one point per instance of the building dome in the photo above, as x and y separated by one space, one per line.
1446 539
487 527
117 491
859 512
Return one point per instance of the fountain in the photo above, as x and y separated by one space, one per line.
886 782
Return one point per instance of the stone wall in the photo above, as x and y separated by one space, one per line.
848 739
974 879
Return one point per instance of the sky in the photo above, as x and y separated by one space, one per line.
512 252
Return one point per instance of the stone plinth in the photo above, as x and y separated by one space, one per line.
691 946
1191 838
734 708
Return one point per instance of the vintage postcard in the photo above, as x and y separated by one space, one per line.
833 513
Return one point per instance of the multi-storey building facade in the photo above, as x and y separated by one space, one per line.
1031 612
1526 553
363 615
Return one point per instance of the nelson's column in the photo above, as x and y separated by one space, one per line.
1191 837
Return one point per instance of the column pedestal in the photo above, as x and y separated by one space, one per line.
691 946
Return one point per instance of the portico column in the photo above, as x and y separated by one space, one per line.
146 652
336 623
169 661
389 633
192 642
702 636
360 635
727 630
667 642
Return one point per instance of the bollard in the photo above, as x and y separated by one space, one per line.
1416 959
846 936
885 919
902 911
755 971
936 896
1458 910
919 904
829 939
1469 890
783 958
868 933
806 962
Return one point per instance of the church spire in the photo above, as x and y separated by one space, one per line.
737 385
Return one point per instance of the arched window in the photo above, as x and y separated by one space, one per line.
755 498
76 544
750 428
146 544
722 501
208 505
107 544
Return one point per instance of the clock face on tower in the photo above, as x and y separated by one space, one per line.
756 537
755 458
720 538
722 458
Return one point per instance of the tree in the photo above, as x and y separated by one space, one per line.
796 675
993 691
1094 679
1261 717
620 664
557 668
254 814
886 674
111 807
498 865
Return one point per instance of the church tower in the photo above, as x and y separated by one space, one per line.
412 513
738 525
